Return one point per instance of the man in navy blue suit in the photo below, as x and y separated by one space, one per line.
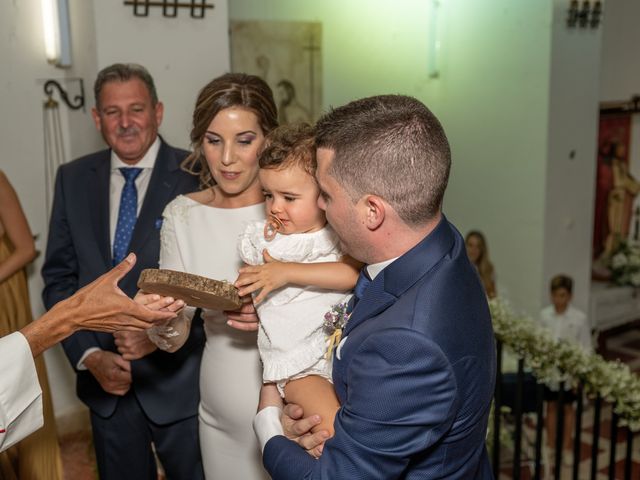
415 368
107 204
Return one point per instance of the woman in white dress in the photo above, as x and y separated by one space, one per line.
199 235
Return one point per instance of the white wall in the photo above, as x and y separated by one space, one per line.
182 54
82 135
493 103
620 68
492 98
571 158
21 135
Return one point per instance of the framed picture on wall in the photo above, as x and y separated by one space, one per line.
288 56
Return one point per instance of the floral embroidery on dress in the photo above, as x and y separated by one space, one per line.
180 209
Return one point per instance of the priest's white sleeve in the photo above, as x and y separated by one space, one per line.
20 393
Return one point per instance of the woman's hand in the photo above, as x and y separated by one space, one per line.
157 302
266 278
136 345
245 318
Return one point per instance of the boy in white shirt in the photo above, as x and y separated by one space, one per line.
562 319
567 323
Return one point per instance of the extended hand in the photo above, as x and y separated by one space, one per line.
110 370
266 278
133 345
99 306
102 306
245 318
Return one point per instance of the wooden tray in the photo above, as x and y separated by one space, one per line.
194 290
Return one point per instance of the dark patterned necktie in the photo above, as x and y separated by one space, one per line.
127 214
361 285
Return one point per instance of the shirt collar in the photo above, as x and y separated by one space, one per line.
375 268
563 314
147 161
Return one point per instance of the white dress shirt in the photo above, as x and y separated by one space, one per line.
266 423
20 393
116 184
570 325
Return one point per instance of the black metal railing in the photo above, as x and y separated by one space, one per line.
524 399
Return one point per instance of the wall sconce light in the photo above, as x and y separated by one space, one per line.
572 14
596 13
585 15
75 104
433 59
57 41
54 150
169 7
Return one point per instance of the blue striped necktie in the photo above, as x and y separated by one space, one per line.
127 214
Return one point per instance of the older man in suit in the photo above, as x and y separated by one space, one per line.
107 204
415 368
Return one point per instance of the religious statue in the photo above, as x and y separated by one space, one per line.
619 202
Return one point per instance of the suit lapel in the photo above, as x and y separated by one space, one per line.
98 195
403 273
374 301
161 189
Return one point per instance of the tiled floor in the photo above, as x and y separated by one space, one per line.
78 457
585 465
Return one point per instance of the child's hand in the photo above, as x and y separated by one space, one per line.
266 278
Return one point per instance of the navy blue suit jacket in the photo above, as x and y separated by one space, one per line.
415 376
78 251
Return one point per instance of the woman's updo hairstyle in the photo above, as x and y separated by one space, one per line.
229 90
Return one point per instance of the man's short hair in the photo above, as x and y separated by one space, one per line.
561 281
391 146
288 145
123 72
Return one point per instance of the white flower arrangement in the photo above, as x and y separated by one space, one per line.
553 361
625 264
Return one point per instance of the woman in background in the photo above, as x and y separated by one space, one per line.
37 457
478 254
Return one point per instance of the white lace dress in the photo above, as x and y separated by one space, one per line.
291 338
200 239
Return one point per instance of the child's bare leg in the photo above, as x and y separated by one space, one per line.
316 396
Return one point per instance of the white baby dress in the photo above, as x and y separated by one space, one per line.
291 338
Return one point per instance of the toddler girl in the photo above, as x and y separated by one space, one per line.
309 276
